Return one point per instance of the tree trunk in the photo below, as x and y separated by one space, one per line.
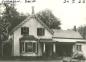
2 48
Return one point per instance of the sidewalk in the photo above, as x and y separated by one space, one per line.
19 58
32 61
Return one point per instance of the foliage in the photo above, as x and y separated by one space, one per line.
82 31
49 19
3 29
78 56
7 48
9 19
12 16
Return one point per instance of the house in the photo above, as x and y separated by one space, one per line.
69 42
29 37
32 37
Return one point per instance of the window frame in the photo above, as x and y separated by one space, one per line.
23 47
79 47
28 48
24 30
40 33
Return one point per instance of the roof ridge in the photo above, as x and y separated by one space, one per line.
28 18
67 34
45 25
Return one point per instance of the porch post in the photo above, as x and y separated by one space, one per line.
44 47
54 47
24 46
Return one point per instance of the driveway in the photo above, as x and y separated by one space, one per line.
32 61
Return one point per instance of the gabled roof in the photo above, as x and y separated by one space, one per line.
66 34
28 18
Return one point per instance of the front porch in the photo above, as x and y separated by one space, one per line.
56 49
31 46
28 46
64 49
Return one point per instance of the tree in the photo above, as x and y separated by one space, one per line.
10 18
82 31
75 29
49 19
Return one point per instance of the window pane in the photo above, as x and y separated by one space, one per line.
79 47
29 47
40 31
24 30
34 47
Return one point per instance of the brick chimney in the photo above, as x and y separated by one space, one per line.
75 29
33 12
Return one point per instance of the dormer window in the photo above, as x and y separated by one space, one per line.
40 31
24 30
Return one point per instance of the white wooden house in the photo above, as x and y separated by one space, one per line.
27 35
32 37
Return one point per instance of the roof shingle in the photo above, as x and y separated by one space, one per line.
66 34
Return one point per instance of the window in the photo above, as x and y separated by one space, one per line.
28 47
78 47
24 30
40 31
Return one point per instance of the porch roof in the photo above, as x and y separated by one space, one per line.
69 40
46 40
28 37
66 34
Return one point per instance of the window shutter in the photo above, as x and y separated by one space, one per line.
21 47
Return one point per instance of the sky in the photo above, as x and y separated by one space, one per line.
70 14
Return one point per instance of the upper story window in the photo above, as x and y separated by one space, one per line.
40 31
79 47
24 30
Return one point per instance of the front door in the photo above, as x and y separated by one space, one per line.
48 49
64 49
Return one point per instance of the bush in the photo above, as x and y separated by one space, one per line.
78 56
